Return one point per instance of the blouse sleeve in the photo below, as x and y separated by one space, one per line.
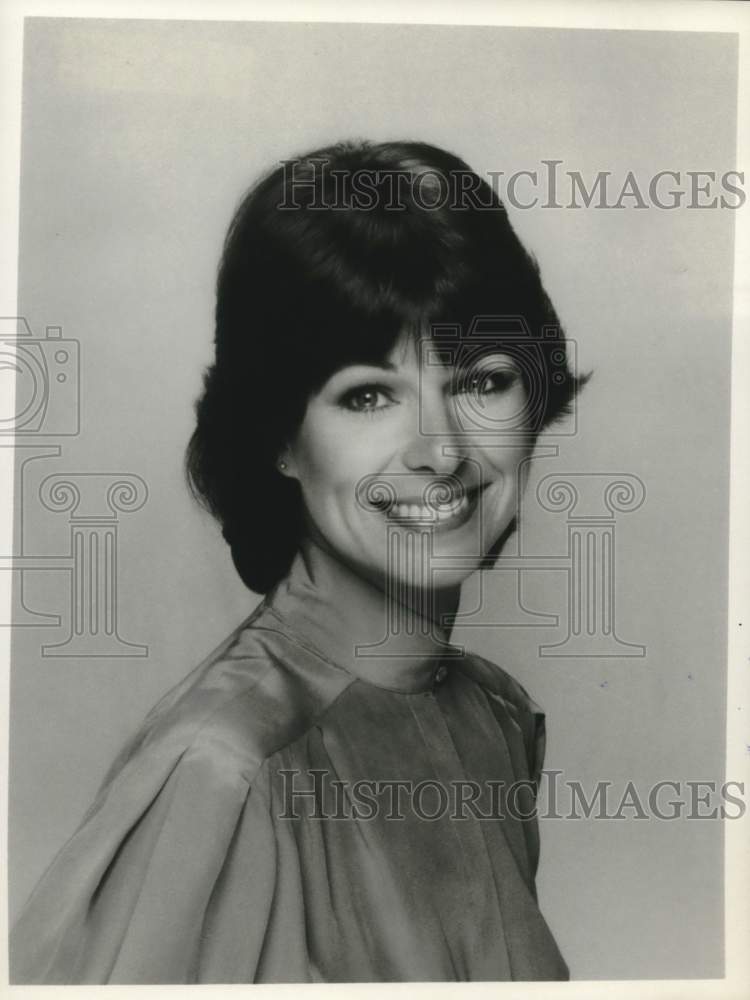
140 893
531 721
524 729
513 702
535 737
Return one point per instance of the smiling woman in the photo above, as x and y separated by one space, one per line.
367 427
381 375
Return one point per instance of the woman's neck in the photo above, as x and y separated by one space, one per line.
416 608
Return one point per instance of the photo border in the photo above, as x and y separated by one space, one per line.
698 16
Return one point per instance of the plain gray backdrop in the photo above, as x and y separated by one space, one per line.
139 137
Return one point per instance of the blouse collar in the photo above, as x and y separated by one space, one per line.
346 618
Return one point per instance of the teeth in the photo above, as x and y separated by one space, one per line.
439 513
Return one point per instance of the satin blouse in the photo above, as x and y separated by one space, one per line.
308 805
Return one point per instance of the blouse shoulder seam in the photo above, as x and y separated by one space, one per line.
516 686
243 693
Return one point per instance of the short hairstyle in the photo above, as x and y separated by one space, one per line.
329 258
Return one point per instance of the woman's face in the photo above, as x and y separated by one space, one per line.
412 469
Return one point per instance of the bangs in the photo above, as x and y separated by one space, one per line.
363 281
464 318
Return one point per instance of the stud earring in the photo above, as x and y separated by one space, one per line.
282 466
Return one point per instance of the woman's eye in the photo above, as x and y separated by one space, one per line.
484 383
366 399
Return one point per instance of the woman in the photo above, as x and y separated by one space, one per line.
385 357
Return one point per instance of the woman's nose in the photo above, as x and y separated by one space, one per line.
433 446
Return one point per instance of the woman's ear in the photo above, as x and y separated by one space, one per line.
285 464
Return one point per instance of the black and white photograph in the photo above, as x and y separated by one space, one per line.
374 456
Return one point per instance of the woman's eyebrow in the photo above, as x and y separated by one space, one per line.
387 366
